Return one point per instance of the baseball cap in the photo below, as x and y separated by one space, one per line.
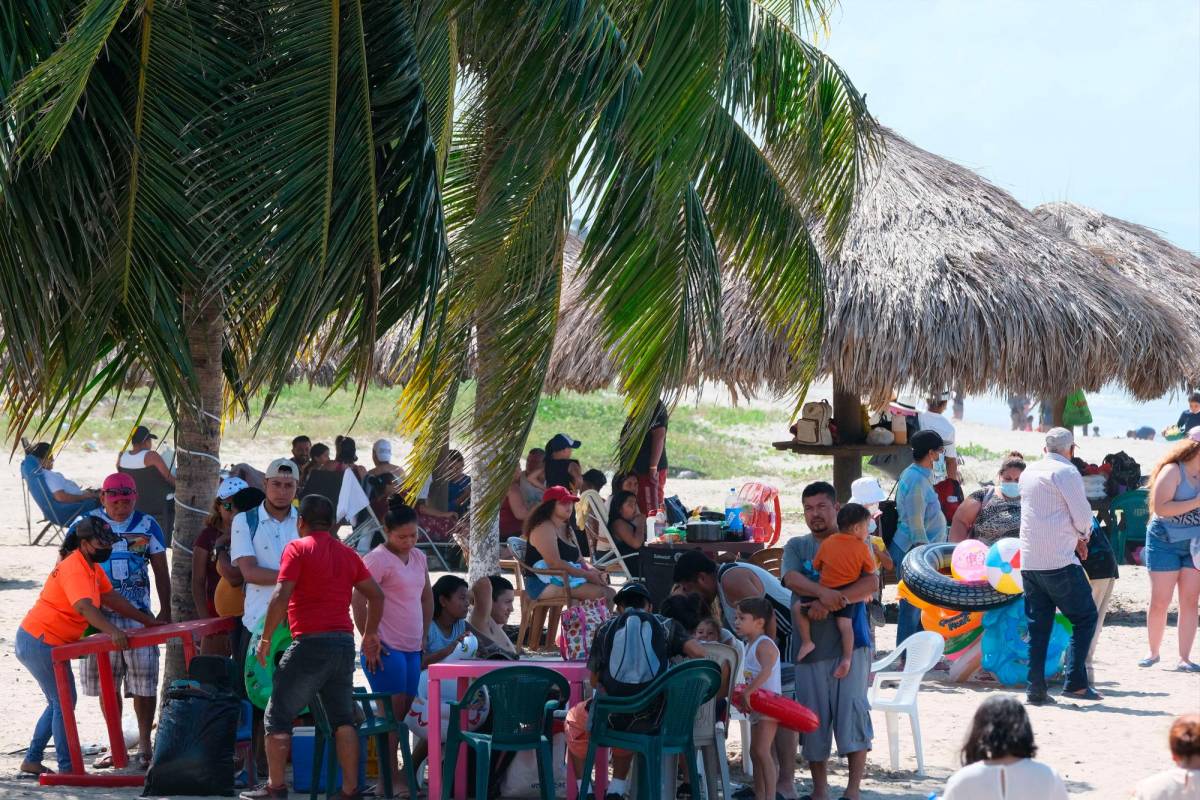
923 442
562 441
140 434
1194 433
631 590
866 491
119 481
559 494
229 487
39 451
382 449
283 468
1059 439
95 528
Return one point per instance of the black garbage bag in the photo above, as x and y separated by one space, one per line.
193 750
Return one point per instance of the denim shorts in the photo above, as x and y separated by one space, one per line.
320 664
1163 555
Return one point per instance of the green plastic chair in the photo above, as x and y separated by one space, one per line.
683 689
372 726
520 721
1131 510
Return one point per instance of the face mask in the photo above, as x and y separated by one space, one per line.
1010 489
871 527
101 554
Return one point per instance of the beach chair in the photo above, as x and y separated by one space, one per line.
524 721
1131 510
710 728
56 517
536 613
605 555
683 688
924 650
155 497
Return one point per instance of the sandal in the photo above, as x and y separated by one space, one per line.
1083 694
140 762
33 774
1148 661
1187 666
103 762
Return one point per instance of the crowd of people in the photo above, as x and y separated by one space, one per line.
269 556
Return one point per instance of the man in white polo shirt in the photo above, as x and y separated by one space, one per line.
1056 522
259 535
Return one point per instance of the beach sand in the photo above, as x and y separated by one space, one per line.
1101 749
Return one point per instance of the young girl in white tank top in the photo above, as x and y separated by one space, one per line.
761 672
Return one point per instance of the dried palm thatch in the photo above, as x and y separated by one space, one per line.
944 279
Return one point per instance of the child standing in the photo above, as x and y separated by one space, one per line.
761 672
841 559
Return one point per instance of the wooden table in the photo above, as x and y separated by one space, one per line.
101 645
577 675
847 459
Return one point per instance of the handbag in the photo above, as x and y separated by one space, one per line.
577 626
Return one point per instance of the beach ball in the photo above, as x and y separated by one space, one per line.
967 561
1003 566
418 715
464 649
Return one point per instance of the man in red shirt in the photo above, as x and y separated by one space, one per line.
317 576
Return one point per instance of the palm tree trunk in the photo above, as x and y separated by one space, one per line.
485 530
199 445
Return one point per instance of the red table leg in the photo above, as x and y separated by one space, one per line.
112 711
189 649
67 703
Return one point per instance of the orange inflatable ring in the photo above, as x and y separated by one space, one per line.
904 593
787 713
950 623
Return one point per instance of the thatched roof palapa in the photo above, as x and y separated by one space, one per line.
943 280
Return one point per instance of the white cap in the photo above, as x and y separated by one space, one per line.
283 468
1059 439
382 450
230 486
866 491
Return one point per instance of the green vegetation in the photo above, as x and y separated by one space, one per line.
978 451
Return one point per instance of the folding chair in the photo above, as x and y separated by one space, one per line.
605 556
34 484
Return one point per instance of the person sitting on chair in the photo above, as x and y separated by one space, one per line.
141 456
70 500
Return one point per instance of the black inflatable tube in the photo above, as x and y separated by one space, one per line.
923 577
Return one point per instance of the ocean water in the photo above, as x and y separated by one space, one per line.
1114 411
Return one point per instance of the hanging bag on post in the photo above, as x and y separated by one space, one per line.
1076 411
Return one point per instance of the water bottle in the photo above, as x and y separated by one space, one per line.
660 524
733 512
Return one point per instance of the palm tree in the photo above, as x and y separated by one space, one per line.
202 188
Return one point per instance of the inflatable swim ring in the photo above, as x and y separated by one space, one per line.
260 679
1006 645
950 623
923 577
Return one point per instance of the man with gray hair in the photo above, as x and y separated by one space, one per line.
1056 522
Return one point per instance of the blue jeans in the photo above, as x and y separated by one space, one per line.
908 620
34 655
1066 589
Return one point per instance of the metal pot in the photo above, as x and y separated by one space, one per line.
704 531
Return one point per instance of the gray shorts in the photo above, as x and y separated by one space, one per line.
841 705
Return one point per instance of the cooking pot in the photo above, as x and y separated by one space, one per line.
705 531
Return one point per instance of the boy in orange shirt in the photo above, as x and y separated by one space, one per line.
842 559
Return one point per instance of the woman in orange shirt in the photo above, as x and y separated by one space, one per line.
69 602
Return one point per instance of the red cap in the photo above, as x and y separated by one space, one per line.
559 494
119 480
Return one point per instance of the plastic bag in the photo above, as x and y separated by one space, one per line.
193 750
1076 411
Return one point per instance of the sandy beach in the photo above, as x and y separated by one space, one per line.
1101 749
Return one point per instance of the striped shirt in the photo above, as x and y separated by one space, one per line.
1055 513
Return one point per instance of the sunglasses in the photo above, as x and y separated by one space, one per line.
120 492
227 506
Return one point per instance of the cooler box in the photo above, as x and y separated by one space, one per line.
302 761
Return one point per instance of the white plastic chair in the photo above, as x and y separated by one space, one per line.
923 651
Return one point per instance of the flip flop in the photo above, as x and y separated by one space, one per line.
103 762
1148 661
1084 694
33 774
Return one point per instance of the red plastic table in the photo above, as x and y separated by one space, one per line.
101 645
576 673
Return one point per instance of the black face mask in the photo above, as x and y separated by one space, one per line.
101 554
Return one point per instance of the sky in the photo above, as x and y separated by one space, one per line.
1095 102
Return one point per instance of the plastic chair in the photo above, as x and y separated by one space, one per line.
522 722
770 559
155 497
536 613
709 730
1131 510
379 728
923 651
686 686
244 743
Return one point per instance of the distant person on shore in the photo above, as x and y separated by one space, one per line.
69 497
141 456
1056 523
650 467
920 517
993 512
1191 417
1145 432
1181 782
1018 411
1174 527
935 420
998 758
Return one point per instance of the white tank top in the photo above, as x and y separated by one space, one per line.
133 460
752 667
779 596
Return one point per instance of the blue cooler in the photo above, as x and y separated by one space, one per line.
302 760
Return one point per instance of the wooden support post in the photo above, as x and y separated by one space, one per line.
846 468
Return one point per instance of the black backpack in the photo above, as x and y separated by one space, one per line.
636 644
889 520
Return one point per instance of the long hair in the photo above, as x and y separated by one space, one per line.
614 506
1183 450
443 588
347 451
213 520
1000 728
542 512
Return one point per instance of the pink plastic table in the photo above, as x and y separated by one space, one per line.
576 673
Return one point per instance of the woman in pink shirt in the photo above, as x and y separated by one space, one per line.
400 570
